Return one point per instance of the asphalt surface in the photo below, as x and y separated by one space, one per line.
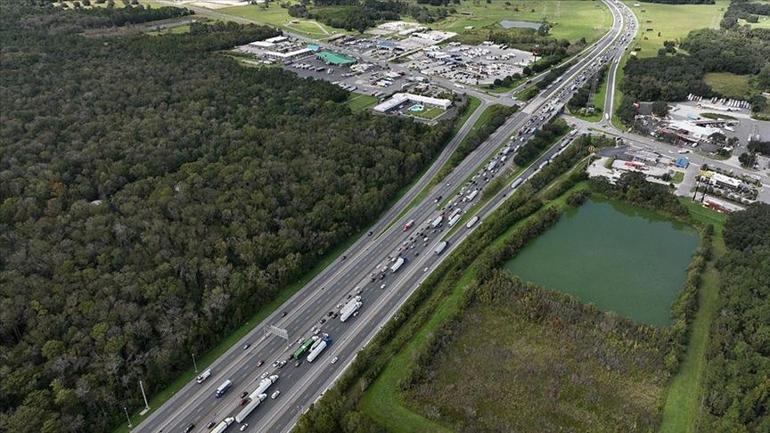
300 386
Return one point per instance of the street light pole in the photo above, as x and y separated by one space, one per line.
128 418
146 405
195 366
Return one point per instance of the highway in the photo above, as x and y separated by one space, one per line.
351 274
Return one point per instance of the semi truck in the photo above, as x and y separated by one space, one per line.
454 219
408 225
441 247
517 182
246 411
350 308
472 221
437 221
203 376
319 348
397 265
222 426
264 384
472 195
223 388
304 347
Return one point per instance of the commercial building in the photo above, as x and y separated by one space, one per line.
400 99
336 59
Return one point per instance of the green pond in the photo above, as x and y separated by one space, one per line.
617 257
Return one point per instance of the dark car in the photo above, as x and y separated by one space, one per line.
261 363
284 314
189 428
298 363
245 401
211 424
244 394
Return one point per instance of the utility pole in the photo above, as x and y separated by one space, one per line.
128 418
195 366
146 405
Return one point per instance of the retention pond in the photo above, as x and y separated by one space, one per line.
617 257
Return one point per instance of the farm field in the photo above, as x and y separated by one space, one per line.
672 22
572 19
730 85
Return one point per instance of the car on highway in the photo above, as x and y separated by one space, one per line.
244 427
211 424
298 363
334 360
244 394
260 363
275 395
284 314
383 285
246 346
189 428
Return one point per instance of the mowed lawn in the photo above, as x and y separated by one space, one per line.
277 16
730 85
571 19
672 22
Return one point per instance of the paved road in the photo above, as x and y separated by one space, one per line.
300 386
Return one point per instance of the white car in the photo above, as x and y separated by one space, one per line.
334 360
275 395
244 427
426 269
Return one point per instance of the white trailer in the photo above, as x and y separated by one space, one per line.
472 221
441 247
246 411
222 426
317 350
517 182
396 266
472 195
346 313
223 388
454 219
437 221
264 384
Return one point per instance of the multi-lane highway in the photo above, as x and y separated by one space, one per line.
358 272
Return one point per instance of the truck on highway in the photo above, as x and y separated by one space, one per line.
350 308
517 182
203 376
246 411
304 347
437 221
408 225
472 195
319 348
472 222
397 265
264 384
223 388
441 247
492 165
222 426
454 219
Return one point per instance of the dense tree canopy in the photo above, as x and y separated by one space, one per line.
153 195
738 374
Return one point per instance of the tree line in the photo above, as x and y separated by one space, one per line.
154 194
737 383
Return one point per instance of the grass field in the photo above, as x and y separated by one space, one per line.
429 113
682 408
277 16
571 19
672 22
359 102
728 84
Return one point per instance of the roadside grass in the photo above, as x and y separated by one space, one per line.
571 19
277 16
185 28
683 401
618 96
728 84
672 22
527 93
360 102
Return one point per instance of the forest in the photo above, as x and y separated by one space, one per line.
738 371
153 195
